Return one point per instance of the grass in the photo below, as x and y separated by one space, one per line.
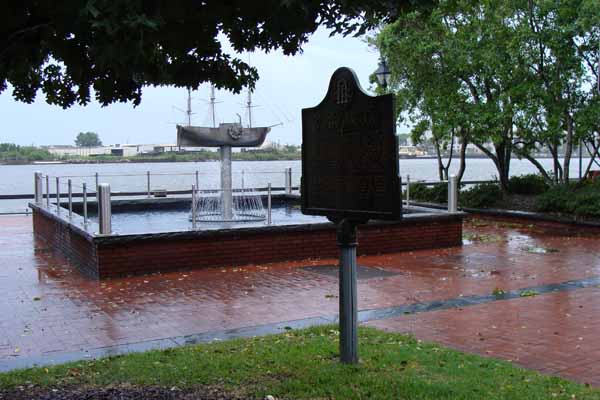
304 364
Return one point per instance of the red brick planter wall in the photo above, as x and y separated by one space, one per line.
80 250
133 254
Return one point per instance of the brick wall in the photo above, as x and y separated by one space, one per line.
163 255
62 238
107 257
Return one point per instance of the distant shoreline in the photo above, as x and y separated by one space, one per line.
162 160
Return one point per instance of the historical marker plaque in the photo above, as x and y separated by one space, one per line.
350 154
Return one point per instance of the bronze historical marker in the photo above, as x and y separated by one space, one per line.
350 154
350 175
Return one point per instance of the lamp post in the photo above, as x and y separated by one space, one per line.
383 73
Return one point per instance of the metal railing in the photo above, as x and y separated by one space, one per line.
149 190
40 195
104 199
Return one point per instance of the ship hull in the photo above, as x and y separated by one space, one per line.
225 135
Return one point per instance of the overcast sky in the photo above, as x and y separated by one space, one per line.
286 85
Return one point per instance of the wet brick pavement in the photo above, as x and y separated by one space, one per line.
48 308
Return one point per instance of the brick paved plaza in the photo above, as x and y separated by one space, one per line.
526 292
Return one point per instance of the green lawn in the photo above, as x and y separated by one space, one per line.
304 364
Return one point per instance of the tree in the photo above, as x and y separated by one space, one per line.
116 47
559 46
88 139
517 74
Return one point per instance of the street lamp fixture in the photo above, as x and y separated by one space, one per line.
383 73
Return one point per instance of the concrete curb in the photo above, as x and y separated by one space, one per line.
497 212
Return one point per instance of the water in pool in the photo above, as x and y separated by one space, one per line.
178 220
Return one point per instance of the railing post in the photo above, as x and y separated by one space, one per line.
57 195
194 201
148 182
452 194
407 190
47 191
70 191
85 211
104 209
38 187
197 180
269 204
97 183
288 181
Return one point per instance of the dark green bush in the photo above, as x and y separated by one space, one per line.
555 199
527 184
437 193
483 195
581 199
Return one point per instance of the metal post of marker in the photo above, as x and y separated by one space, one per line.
97 183
70 192
85 210
197 180
104 209
269 204
346 238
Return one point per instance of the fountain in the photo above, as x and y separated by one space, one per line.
154 234
229 206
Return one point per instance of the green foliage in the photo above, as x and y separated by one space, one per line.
304 365
528 184
13 152
513 74
581 200
484 195
437 193
556 199
116 47
88 139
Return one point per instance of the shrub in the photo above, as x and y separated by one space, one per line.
481 196
555 199
527 184
437 193
582 199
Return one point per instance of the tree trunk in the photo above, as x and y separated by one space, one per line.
462 155
439 159
539 166
503 153
568 146
499 161
556 164
593 157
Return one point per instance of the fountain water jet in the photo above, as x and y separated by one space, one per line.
244 206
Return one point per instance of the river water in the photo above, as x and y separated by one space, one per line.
18 179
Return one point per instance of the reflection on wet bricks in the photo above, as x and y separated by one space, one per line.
363 272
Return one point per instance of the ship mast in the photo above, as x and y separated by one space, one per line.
249 106
189 107
212 105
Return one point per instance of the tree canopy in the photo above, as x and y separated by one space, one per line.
519 75
88 139
70 49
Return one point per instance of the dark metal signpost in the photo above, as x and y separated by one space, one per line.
350 175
